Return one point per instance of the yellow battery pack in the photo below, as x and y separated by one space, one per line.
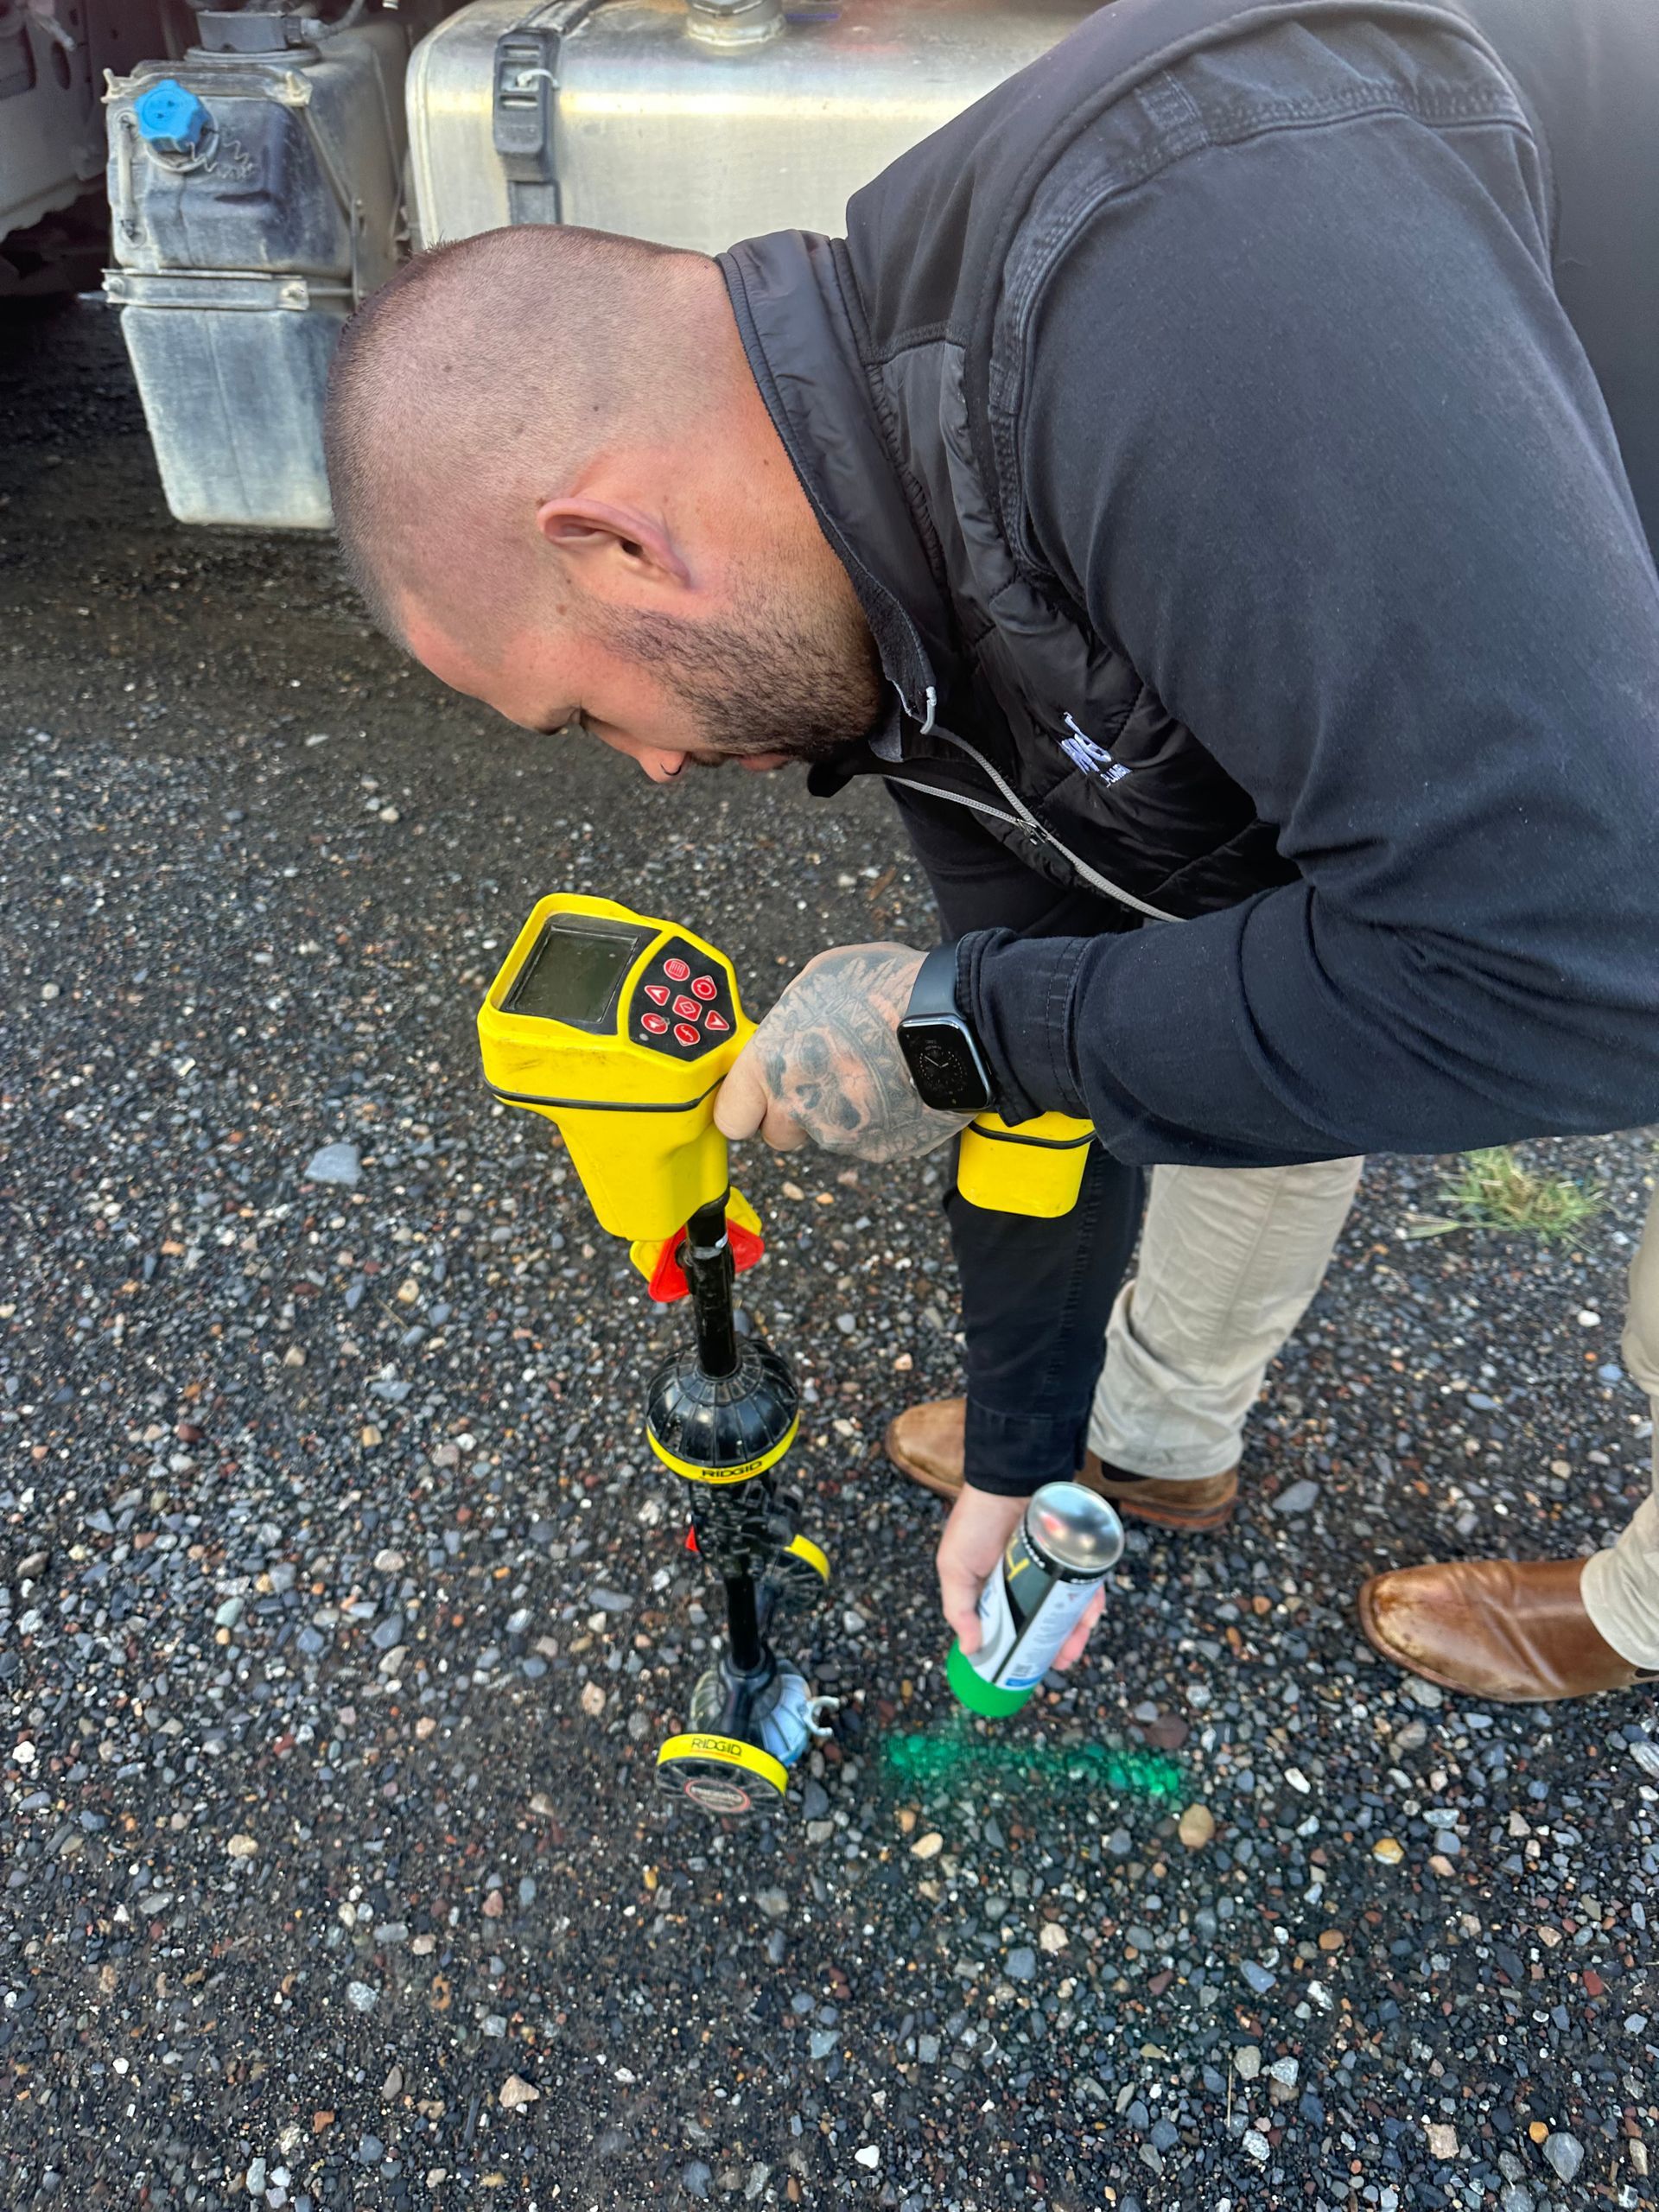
1033 1167
619 1028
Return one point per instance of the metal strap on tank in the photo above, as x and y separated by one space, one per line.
223 291
525 104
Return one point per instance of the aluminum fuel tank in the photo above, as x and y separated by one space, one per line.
618 116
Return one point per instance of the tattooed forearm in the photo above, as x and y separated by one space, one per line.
829 1058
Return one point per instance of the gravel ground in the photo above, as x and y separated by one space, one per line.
345 1610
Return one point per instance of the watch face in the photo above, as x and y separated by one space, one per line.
944 1066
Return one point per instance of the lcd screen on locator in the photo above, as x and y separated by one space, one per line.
573 975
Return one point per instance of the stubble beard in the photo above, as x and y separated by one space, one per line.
782 675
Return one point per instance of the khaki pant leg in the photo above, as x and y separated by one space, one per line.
1621 1585
1230 1258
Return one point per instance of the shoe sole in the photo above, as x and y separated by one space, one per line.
1213 1517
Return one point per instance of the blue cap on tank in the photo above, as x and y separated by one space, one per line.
171 118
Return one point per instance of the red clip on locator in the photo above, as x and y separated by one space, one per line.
667 1279
660 1266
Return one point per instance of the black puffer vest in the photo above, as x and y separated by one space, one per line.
892 364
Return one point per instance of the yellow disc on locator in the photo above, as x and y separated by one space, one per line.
721 1775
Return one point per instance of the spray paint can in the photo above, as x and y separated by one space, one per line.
1066 1542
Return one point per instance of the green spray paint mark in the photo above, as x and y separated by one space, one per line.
956 1751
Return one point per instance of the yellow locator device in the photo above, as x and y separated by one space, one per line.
619 1028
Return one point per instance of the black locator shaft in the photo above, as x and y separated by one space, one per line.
706 1256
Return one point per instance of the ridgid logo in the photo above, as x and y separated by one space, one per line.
1095 760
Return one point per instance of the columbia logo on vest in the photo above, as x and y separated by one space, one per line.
1094 760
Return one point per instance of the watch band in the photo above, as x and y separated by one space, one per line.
934 990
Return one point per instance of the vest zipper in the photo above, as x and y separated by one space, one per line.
1022 818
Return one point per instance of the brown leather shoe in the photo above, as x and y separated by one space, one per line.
926 1442
1510 1631
1206 1503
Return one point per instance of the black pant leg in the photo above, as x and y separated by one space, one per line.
1036 1296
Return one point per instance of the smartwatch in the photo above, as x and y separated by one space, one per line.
940 1050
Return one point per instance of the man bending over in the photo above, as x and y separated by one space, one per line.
1214 484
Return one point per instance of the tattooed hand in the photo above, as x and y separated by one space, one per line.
824 1066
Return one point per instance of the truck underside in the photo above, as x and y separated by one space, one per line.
265 165
54 215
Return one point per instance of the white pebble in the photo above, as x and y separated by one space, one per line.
334 1163
1301 1497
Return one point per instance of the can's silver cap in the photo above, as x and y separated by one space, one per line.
1079 1531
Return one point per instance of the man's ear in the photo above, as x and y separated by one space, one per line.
593 531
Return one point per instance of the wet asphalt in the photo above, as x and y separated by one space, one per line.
345 1609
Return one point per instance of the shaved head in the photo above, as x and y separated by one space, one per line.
485 373
554 480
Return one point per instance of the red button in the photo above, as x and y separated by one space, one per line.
686 1034
703 987
658 994
688 1010
675 970
716 1024
654 1023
